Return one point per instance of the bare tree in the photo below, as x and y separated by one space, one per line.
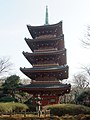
5 65
81 84
86 40
86 69
81 81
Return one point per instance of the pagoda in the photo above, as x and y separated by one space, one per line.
49 64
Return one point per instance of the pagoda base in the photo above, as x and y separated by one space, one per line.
45 100
46 93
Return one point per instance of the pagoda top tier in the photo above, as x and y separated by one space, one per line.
54 30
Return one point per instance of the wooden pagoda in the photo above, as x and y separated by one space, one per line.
49 65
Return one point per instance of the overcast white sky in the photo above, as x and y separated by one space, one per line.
16 14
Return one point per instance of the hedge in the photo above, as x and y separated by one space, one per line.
71 109
12 106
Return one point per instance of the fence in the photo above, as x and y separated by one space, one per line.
40 113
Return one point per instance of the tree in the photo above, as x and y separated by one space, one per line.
81 84
86 69
5 65
84 98
81 81
86 40
10 84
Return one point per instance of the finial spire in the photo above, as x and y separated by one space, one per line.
46 17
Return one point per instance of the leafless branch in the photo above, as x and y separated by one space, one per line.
86 69
5 65
86 40
81 81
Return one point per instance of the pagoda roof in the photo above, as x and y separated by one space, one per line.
60 71
32 43
35 56
61 37
54 29
44 53
60 85
37 88
36 69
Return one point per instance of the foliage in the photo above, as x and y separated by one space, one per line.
81 82
11 106
22 96
19 107
84 95
71 109
10 84
32 107
7 99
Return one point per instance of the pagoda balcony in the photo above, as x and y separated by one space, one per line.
49 36
45 82
46 50
46 65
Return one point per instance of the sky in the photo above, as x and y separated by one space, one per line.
16 14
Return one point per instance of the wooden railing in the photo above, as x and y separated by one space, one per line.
45 65
24 114
44 50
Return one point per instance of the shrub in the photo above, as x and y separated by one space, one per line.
32 107
84 97
71 109
7 99
10 107
19 107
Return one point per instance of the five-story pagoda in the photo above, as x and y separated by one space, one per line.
48 60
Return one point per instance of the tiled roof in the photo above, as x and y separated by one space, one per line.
28 40
45 52
54 29
46 86
45 68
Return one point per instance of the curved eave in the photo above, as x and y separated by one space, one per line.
46 86
35 29
44 53
60 88
30 42
32 57
60 71
43 69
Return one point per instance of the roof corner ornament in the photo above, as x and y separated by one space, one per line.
46 16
